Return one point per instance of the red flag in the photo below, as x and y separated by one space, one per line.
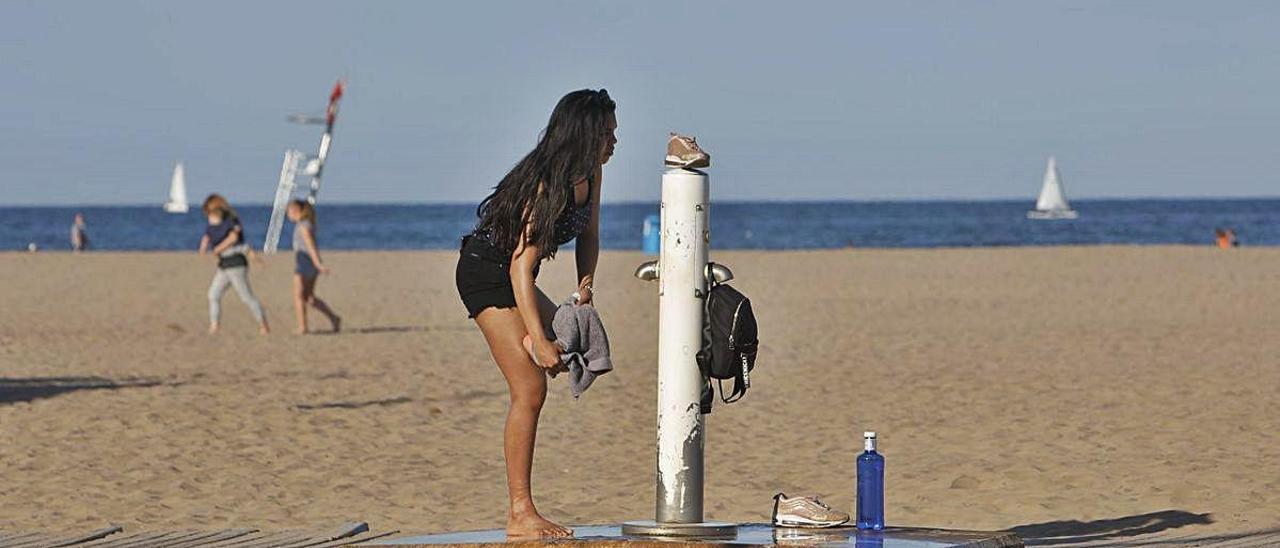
333 101
337 92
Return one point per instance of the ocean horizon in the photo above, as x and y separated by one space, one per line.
756 224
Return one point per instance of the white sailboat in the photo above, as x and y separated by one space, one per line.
1052 203
177 202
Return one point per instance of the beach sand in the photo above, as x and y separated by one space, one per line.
1129 388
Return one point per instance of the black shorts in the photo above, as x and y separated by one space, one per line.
484 276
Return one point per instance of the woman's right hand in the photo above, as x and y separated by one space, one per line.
546 353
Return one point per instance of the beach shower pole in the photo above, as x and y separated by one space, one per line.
681 272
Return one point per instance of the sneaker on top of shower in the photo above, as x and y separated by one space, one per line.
684 152
805 512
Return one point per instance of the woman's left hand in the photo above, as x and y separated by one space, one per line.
584 294
323 269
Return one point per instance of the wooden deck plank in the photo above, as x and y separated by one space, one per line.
346 534
204 538
24 539
99 542
15 538
175 538
40 541
307 542
126 539
315 541
347 530
72 540
238 540
286 539
352 541
169 538
258 539
178 537
113 540
139 540
1259 539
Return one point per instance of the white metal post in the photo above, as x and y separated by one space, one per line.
682 288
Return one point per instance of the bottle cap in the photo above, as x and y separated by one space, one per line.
870 435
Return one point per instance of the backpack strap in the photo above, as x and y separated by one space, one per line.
703 356
739 390
741 382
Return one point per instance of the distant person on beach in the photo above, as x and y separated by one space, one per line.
79 234
1226 238
308 266
548 199
224 237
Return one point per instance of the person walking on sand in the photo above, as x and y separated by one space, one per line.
79 234
224 237
548 199
308 266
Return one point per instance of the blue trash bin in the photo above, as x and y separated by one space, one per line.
652 235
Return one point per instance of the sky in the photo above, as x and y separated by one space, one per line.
833 100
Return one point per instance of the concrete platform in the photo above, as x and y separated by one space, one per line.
751 534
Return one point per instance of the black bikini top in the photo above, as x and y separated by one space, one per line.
574 219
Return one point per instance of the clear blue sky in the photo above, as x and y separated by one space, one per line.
795 100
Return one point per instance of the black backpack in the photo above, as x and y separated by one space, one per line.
729 343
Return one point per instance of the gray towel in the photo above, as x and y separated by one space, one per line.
581 335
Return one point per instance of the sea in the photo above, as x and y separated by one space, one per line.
734 225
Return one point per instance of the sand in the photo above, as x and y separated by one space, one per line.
1133 389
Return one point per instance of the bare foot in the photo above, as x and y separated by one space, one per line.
213 329
528 347
300 331
531 525
264 330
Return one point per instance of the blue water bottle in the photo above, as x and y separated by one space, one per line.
651 240
870 485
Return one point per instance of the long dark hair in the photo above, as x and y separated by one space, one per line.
537 189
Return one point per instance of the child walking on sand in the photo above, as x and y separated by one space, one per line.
224 237
308 267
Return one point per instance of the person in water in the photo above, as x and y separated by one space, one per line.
308 266
79 234
224 237
1226 238
550 197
